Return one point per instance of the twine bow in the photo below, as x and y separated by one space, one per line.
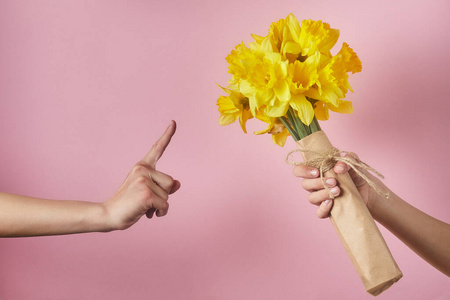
326 161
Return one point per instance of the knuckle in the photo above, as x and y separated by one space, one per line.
165 197
145 194
139 169
141 180
305 184
311 198
170 182
296 171
170 179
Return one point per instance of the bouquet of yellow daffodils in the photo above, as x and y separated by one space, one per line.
289 79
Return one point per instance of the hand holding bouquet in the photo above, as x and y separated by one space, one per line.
289 79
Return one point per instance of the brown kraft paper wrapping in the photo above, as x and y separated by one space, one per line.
355 226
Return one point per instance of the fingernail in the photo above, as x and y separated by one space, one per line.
326 202
334 191
339 168
314 172
330 181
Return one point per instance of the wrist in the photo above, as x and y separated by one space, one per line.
98 219
381 207
377 204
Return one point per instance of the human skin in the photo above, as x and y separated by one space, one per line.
145 191
425 235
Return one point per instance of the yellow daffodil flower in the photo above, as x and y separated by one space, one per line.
239 60
275 128
232 108
350 58
312 36
276 35
302 76
332 84
266 84
329 83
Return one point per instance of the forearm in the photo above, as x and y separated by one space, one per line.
26 216
425 235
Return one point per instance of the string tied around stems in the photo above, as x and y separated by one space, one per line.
326 162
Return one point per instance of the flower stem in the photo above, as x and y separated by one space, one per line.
301 129
314 125
289 128
296 127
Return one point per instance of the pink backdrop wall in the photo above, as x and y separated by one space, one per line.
86 87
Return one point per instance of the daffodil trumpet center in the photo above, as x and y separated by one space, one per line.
302 58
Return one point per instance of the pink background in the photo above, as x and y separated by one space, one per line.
86 87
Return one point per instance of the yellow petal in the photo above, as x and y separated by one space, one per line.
246 115
321 111
267 130
226 90
292 47
278 109
330 40
281 69
266 46
280 138
253 108
273 58
332 94
345 107
258 38
314 93
294 27
315 60
303 107
351 59
263 97
225 104
317 36
227 119
247 89
282 91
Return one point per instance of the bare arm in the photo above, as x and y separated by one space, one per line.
145 191
425 235
27 216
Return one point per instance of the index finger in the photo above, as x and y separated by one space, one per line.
158 148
